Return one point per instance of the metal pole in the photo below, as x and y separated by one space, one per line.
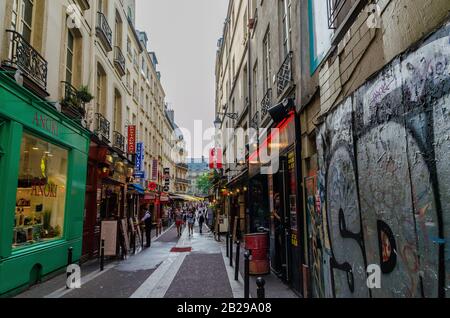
102 256
142 238
238 252
134 243
228 245
247 275
231 250
70 256
260 282
69 262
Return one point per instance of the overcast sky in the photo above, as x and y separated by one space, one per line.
184 35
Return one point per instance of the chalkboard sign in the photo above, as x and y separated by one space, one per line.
124 233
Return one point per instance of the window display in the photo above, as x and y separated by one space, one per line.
41 192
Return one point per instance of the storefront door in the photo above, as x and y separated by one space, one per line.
280 223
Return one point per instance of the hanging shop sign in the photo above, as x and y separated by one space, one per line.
215 158
132 140
152 186
139 156
155 170
166 179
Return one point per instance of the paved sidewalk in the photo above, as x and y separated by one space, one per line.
119 279
182 268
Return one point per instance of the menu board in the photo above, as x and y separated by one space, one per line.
109 235
124 233
293 198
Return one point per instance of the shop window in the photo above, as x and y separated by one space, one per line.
320 34
41 192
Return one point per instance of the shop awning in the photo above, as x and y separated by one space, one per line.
185 197
136 187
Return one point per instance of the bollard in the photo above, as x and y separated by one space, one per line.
142 239
260 282
69 262
102 256
69 256
238 252
228 245
247 275
231 251
134 243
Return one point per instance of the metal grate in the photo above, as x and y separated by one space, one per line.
266 103
284 75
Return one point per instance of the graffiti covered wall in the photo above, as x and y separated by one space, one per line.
384 157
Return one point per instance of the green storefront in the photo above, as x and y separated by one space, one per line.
43 159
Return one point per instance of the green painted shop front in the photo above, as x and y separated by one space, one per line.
43 159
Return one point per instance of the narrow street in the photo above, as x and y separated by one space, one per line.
172 268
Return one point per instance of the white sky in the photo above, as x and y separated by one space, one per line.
184 35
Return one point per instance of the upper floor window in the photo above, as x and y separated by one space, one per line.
285 9
22 18
321 34
69 56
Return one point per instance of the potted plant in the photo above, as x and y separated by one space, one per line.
84 95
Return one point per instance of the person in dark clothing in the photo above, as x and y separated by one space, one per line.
201 220
147 220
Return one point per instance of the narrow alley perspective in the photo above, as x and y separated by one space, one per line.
224 156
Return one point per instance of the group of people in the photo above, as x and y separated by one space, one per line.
188 214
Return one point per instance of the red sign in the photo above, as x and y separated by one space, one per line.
155 170
132 140
215 159
152 186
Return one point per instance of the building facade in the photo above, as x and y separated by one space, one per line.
89 80
350 87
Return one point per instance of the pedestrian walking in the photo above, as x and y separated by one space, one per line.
179 221
147 220
191 222
201 220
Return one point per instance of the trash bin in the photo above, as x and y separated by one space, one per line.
258 244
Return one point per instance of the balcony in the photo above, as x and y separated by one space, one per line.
118 142
23 57
284 75
104 31
183 181
71 105
119 61
266 103
254 122
341 14
102 127
183 166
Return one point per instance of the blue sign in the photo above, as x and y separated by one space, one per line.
139 156
140 175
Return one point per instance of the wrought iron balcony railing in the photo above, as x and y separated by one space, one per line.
119 141
284 75
339 11
266 102
254 122
24 57
102 127
119 61
183 181
71 105
104 31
